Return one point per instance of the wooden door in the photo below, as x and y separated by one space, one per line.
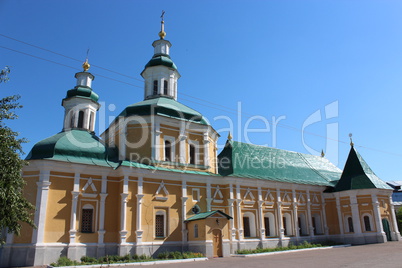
217 242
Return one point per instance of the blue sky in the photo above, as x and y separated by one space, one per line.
281 60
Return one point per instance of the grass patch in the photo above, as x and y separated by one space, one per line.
303 245
109 259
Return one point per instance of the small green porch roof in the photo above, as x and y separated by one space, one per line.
244 160
358 175
204 215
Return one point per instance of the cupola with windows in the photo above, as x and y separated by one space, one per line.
160 73
81 103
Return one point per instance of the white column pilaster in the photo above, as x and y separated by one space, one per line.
41 207
103 195
138 222
239 217
184 198
377 216
206 149
209 196
279 215
231 201
123 211
324 216
73 219
309 218
182 146
260 215
355 214
340 218
396 234
295 214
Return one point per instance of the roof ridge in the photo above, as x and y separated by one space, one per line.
315 170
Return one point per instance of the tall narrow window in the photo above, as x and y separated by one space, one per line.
192 154
284 226
168 151
72 120
314 225
155 87
367 224
266 226
87 220
246 226
350 224
300 225
196 231
81 119
165 87
159 225
91 121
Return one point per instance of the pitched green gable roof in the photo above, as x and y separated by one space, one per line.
204 215
358 175
164 106
239 159
78 146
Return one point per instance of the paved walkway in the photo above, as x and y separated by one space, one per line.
374 255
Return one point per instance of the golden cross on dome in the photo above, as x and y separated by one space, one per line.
162 33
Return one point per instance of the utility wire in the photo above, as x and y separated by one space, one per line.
214 105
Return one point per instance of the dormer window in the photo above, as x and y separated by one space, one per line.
155 87
81 119
165 87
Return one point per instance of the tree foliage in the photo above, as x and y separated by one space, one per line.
14 208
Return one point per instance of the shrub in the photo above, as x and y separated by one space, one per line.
89 260
64 261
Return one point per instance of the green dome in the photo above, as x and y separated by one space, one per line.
77 146
161 60
84 92
166 107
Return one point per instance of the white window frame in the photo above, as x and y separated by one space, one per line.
346 223
370 220
164 214
318 223
272 225
303 224
289 224
251 216
196 145
172 141
196 194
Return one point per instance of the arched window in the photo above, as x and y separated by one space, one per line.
192 154
269 224
81 119
302 224
249 224
160 223
317 224
165 87
196 231
287 224
87 219
72 119
155 87
91 121
350 225
168 151
367 222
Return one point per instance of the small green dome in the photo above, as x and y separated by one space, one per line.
78 146
164 60
84 92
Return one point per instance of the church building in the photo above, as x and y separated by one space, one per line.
154 182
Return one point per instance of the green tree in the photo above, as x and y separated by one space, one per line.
399 218
14 208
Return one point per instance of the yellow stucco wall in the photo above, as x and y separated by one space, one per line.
58 210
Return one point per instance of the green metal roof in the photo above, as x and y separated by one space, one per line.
259 162
78 146
358 175
161 59
83 92
204 215
164 106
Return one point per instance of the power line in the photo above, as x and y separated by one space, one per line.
68 57
214 105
